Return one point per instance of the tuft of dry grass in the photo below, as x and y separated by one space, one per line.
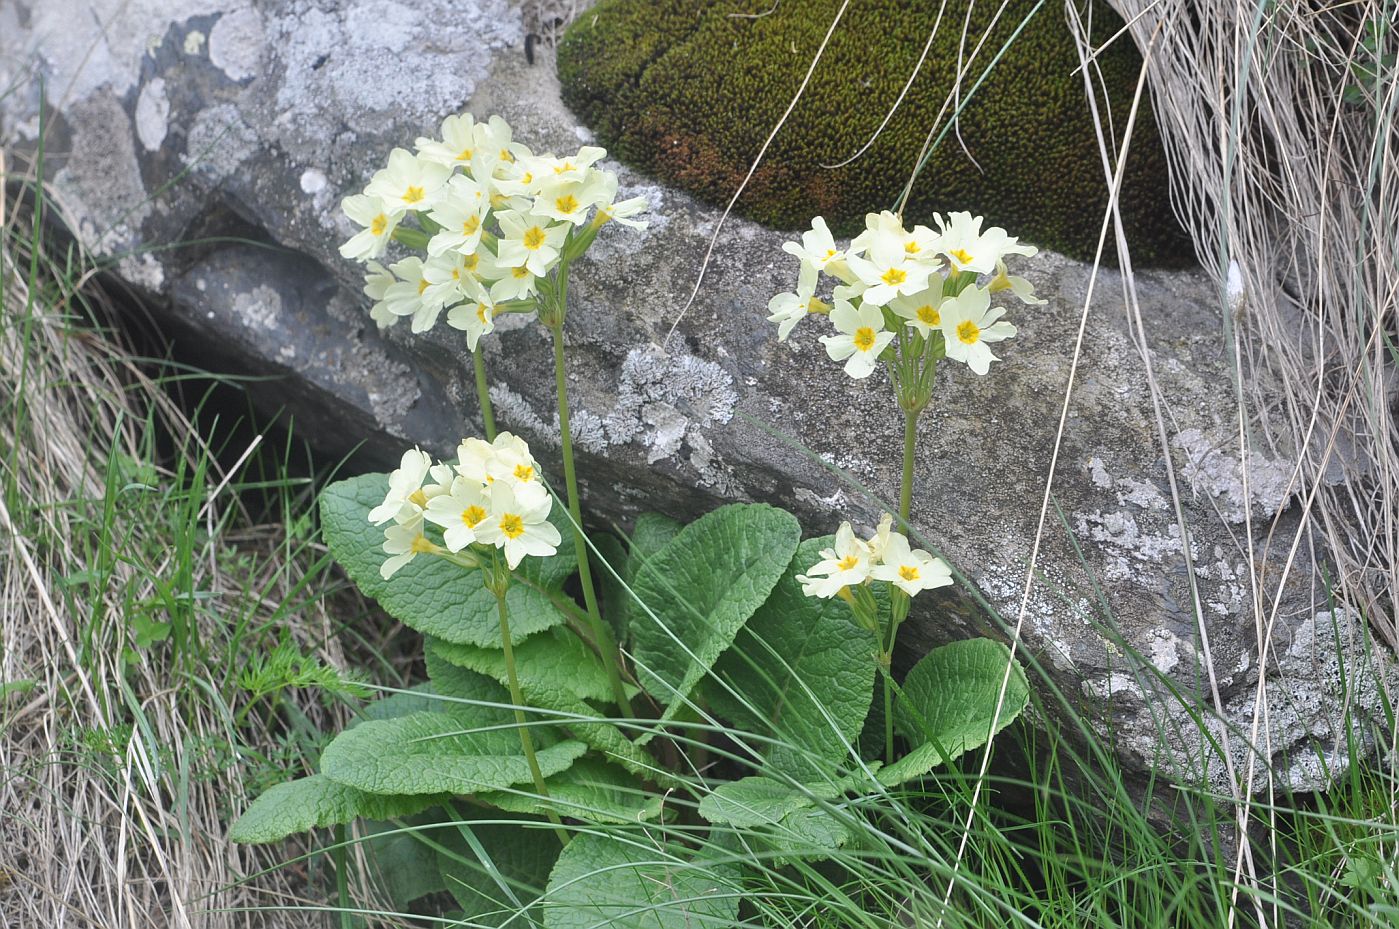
1280 123
134 586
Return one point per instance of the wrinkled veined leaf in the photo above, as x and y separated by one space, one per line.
784 818
947 705
754 801
497 871
649 535
589 790
800 672
629 880
545 683
701 587
432 753
472 695
432 595
555 659
402 863
316 801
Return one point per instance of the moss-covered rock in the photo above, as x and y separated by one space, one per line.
688 90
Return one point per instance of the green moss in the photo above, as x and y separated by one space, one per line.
688 93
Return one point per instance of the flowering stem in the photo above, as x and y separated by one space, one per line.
601 636
886 667
483 393
910 446
526 742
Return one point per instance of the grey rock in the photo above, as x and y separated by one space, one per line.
206 145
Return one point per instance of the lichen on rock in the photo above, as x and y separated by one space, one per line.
688 90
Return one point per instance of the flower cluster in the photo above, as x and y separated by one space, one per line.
885 556
490 496
493 218
892 281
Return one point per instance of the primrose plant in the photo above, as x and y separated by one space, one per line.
905 300
717 689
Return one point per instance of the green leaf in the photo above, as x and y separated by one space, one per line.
497 871
629 881
311 802
784 818
614 596
589 789
702 586
431 753
402 863
753 801
651 533
802 672
545 684
948 701
430 594
555 659
454 683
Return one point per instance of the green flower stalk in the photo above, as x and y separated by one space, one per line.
500 584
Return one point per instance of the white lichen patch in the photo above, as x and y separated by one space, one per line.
312 181
236 43
144 269
88 47
152 114
219 142
358 66
259 308
1220 475
1127 547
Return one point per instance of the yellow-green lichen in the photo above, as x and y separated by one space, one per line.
688 91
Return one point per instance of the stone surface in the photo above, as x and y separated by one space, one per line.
204 147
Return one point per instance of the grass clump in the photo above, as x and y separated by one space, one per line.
688 91
166 647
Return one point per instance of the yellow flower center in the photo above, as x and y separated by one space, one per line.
470 225
471 261
864 338
421 546
412 195
565 167
418 497
961 256
929 316
512 525
481 313
894 277
534 238
472 515
528 178
519 273
464 155
912 248
968 332
848 562
908 572
422 286
830 253
378 224
566 204
499 199
456 274
505 155
524 472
